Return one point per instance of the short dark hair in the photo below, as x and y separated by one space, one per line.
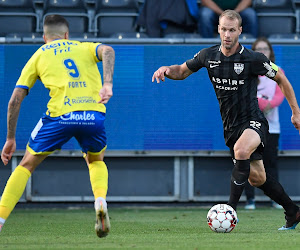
52 20
263 39
231 14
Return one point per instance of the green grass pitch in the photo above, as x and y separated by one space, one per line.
144 228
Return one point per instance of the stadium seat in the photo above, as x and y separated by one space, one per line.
246 36
114 16
291 37
136 35
183 35
172 28
74 11
17 16
33 38
187 37
81 37
297 3
13 38
275 17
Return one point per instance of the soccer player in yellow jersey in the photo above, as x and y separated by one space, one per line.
75 109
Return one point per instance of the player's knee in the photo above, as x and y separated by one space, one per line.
241 153
30 161
94 157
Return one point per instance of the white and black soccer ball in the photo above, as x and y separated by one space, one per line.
222 218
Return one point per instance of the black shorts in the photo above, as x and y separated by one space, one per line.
261 127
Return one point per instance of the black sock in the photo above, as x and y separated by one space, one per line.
275 191
239 177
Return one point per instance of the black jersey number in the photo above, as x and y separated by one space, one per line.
255 124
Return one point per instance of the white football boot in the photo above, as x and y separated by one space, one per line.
102 225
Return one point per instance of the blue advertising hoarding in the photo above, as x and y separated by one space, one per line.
174 115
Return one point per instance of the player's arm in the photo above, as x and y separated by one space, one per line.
289 94
13 110
175 72
212 5
243 5
107 55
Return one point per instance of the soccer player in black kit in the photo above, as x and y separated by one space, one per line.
233 71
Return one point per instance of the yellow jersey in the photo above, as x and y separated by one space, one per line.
68 69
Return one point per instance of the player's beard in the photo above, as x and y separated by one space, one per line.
230 46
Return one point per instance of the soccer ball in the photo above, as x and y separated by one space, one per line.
222 218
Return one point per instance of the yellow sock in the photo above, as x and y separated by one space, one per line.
99 178
13 191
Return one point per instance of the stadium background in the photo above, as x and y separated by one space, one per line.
165 141
143 115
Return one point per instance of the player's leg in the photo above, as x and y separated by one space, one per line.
46 137
273 189
207 20
16 184
271 159
99 182
98 174
243 148
92 140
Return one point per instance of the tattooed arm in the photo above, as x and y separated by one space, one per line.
107 55
12 119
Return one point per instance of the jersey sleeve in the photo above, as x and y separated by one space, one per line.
263 66
93 47
197 62
29 74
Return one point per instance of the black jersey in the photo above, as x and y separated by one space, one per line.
235 80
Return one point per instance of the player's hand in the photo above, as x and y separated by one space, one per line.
8 150
296 121
160 74
106 93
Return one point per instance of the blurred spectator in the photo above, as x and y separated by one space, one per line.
211 9
269 98
156 15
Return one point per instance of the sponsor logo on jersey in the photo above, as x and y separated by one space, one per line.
226 88
78 100
67 101
214 61
238 68
222 82
84 116
213 64
82 100
57 45
227 81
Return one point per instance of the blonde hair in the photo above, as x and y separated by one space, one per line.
232 15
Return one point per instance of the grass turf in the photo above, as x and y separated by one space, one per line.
144 228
